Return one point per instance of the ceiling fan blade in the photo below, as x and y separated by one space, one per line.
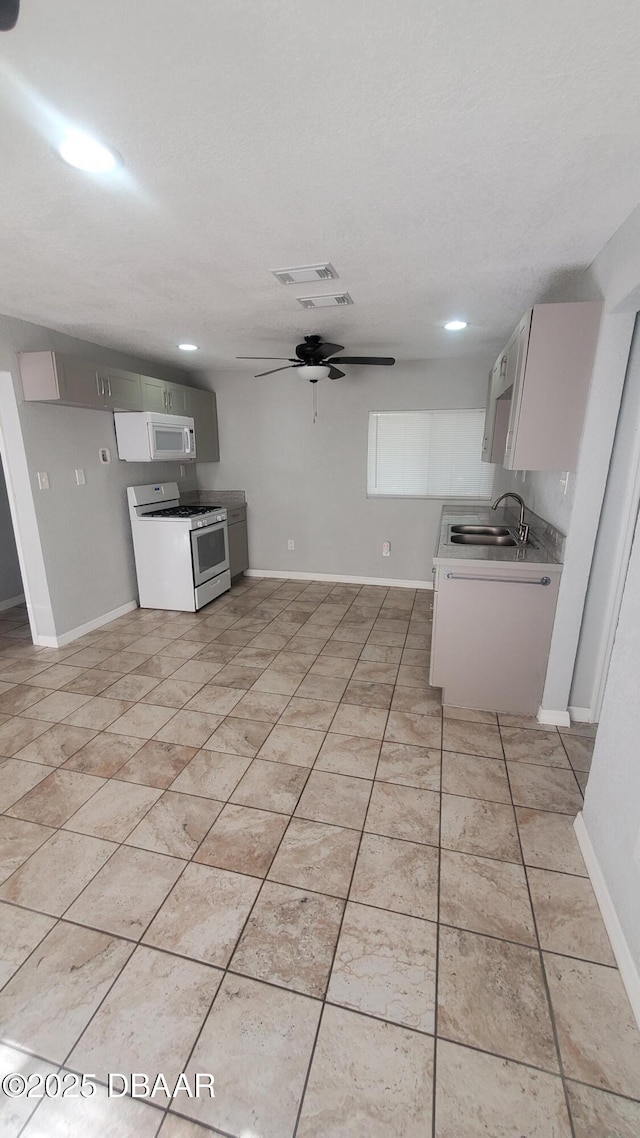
9 12
330 349
335 373
274 369
290 358
387 361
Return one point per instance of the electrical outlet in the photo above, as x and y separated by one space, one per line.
291 543
183 470
564 482
80 479
386 549
43 480
104 454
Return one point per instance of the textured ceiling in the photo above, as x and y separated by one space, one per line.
462 157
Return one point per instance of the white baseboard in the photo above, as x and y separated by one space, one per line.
629 971
553 718
11 602
581 714
82 629
338 578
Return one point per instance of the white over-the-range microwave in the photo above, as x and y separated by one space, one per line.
148 436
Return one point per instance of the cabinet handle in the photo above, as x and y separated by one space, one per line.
99 384
170 398
109 386
503 580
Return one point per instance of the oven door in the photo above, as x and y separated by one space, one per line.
171 443
209 552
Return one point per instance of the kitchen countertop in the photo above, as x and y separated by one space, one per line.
545 548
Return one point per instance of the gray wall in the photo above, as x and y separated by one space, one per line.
308 481
10 579
611 809
613 521
84 530
542 492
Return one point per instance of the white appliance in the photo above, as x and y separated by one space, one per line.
147 436
181 552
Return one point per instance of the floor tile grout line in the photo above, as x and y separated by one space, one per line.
227 969
305 889
206 798
545 980
437 960
335 947
376 1019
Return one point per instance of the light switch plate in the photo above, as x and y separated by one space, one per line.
80 478
43 480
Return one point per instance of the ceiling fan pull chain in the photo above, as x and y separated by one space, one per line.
315 401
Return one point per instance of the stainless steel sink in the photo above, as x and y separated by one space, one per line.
483 539
496 531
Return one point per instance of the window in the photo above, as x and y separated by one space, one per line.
427 454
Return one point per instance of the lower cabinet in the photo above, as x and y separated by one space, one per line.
238 544
491 634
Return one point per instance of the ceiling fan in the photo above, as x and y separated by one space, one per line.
317 359
9 11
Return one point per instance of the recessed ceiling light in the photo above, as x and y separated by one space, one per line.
455 325
86 153
188 347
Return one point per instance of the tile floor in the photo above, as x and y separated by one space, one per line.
250 842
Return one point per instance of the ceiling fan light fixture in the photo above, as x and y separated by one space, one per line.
314 372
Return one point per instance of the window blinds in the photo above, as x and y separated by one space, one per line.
427 454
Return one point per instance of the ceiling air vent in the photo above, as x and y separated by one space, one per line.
305 273
334 301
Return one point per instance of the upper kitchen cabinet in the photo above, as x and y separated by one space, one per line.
166 398
55 377
122 389
539 386
501 383
202 407
154 394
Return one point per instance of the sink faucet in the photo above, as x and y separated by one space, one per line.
523 528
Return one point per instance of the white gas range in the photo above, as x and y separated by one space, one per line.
181 552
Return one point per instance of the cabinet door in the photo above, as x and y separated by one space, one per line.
516 368
81 382
490 414
554 379
202 407
123 390
154 394
238 548
177 399
476 664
